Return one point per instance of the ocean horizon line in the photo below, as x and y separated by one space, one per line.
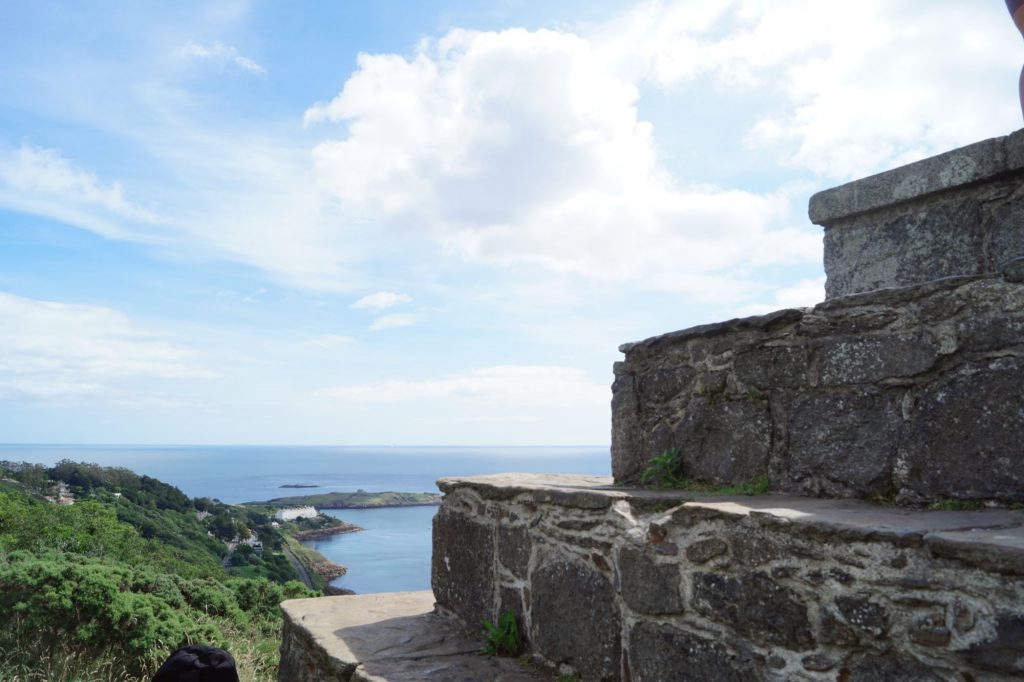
300 445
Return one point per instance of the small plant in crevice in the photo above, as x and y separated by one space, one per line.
663 470
502 639
568 677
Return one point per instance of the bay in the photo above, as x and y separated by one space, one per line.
393 553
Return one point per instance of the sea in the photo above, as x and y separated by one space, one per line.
392 553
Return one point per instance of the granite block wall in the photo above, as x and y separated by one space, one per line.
958 213
640 586
912 394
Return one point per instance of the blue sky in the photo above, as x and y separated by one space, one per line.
430 223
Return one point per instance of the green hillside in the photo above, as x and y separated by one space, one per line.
105 588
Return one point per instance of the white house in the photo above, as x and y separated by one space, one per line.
295 513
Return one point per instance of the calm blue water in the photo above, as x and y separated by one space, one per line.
393 553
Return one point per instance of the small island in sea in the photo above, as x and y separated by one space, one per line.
299 485
360 499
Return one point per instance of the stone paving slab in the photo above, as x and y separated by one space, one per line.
1002 528
391 637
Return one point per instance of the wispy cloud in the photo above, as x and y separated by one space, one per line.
381 300
393 321
331 340
58 350
505 385
43 182
803 294
222 54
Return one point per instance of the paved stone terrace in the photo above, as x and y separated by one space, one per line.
392 637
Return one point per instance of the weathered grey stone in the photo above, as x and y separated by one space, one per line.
514 549
925 582
930 631
1013 270
955 214
966 165
574 619
1004 652
818 662
771 367
392 637
462 568
648 587
823 398
662 385
752 547
864 360
725 441
864 615
889 667
658 653
842 444
627 460
897 248
756 607
966 437
703 551
834 631
464 668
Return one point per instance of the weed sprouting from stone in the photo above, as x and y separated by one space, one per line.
665 472
502 639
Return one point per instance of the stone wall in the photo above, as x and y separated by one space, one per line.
959 213
913 393
640 586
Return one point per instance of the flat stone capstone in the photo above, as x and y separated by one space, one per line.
958 213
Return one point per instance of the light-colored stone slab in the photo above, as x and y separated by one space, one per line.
841 515
386 637
971 164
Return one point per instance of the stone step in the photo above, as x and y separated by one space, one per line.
389 637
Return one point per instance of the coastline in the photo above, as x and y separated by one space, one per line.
317 533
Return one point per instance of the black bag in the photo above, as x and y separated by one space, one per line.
198 663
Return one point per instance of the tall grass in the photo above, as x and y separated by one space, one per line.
255 648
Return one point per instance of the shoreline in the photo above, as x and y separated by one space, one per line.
317 533
384 506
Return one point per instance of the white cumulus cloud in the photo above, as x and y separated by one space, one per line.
855 91
520 147
803 294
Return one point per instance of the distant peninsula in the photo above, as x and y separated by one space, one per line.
357 500
299 485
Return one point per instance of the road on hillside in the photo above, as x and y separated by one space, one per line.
299 568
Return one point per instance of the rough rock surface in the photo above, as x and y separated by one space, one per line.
635 584
574 617
393 637
911 393
958 213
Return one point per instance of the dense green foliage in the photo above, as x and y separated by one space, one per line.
126 579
